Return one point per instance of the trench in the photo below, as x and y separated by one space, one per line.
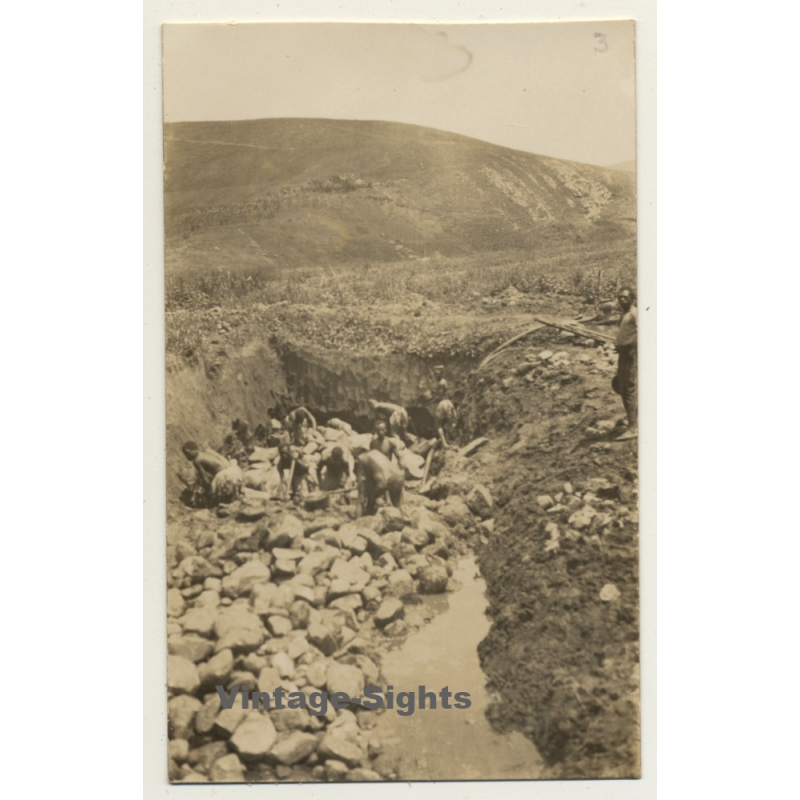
255 385
448 744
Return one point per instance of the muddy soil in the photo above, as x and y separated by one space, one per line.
563 656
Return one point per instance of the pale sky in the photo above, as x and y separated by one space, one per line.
558 89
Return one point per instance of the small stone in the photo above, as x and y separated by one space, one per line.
282 771
347 603
207 600
182 675
316 673
335 770
285 569
178 750
228 720
569 488
609 593
392 519
319 774
545 501
204 721
279 626
545 355
362 774
397 628
582 518
322 638
294 748
415 537
390 609
297 647
176 605
227 769
284 665
486 527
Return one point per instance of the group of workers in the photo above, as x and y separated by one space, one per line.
377 472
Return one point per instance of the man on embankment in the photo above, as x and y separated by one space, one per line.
625 381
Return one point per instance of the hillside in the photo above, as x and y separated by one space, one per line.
303 192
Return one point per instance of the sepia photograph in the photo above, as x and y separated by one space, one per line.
402 450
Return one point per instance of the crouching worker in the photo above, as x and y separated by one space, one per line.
293 469
218 479
336 469
376 477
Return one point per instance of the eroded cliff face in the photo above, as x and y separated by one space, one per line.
253 382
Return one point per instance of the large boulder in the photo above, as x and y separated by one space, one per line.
242 580
288 532
455 512
390 609
294 748
227 769
182 675
181 713
480 502
345 678
433 579
339 748
217 670
255 736
238 628
195 648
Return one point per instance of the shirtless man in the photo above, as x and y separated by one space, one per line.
446 418
297 423
208 465
625 380
299 481
442 387
337 471
395 416
376 476
382 442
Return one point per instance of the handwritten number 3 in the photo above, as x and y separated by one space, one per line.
601 45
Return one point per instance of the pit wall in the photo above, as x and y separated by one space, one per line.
203 400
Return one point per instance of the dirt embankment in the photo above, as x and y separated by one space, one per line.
562 563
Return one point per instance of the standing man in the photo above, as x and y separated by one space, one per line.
625 381
382 442
395 416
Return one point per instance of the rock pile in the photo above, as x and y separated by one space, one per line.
304 601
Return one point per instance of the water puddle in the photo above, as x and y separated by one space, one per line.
454 744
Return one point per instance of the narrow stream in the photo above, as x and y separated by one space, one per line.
454 744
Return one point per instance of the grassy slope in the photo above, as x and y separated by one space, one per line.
253 194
